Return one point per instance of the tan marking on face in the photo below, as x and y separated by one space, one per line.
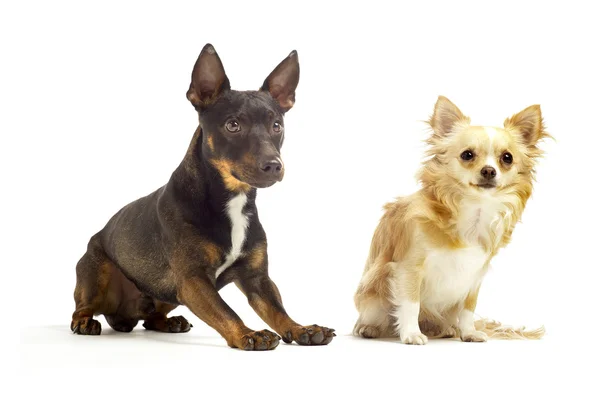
210 143
224 168
249 160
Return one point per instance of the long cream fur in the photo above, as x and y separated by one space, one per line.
432 249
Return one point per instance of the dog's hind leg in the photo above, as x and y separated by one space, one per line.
94 272
156 319
372 301
373 320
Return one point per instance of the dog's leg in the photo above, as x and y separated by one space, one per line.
202 298
373 320
157 319
372 300
93 278
263 296
466 323
406 286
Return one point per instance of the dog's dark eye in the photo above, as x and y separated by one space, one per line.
467 155
233 126
507 158
277 127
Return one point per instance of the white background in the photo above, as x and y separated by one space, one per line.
94 115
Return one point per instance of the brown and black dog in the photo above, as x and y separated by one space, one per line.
199 232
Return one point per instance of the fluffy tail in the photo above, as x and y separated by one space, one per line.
496 330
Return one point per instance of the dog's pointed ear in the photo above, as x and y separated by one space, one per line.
208 78
283 80
528 123
445 116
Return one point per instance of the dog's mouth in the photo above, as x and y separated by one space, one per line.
486 185
263 184
255 183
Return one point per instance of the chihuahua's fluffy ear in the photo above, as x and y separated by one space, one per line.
208 78
528 123
446 116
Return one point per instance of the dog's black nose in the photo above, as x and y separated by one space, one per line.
488 172
271 166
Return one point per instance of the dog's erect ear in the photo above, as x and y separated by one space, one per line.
282 81
445 116
528 123
208 78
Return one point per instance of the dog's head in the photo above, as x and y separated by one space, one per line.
242 131
478 159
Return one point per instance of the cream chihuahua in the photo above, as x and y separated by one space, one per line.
432 249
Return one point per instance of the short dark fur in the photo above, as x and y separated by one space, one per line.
163 250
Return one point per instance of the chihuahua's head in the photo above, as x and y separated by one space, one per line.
242 131
477 159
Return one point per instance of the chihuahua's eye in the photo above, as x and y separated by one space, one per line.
233 126
277 127
507 158
467 155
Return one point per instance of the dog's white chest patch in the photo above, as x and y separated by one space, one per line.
239 225
450 274
481 221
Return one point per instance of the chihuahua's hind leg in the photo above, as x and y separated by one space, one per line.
372 300
94 272
156 319
373 321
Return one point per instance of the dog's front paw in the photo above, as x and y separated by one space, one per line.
178 324
473 336
313 335
174 324
413 338
86 326
258 340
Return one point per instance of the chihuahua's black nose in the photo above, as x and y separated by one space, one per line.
271 166
488 172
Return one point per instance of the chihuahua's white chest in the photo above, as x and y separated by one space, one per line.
239 225
481 222
450 274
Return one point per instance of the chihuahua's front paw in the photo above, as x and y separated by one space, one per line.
413 338
313 335
257 340
473 336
